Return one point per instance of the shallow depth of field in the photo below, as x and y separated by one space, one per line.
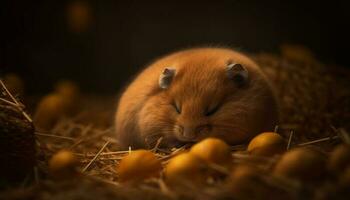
62 64
71 151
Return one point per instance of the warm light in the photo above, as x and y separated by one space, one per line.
78 16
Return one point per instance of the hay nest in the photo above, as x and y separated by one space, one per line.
17 140
315 110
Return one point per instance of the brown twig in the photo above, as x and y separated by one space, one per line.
103 159
174 153
54 136
98 153
19 106
318 140
344 135
8 102
290 140
103 154
155 148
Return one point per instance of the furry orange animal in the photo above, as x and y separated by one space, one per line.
194 94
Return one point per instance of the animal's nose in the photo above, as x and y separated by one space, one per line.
189 133
192 132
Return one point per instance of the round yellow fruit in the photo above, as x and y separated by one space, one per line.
213 150
185 169
70 93
267 144
14 84
67 88
242 171
339 158
50 109
63 163
248 182
242 178
79 16
138 165
302 164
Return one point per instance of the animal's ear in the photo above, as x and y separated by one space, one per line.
166 77
238 73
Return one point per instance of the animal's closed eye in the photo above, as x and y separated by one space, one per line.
177 107
211 111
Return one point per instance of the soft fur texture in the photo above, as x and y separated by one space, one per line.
147 112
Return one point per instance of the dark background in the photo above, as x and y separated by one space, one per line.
122 36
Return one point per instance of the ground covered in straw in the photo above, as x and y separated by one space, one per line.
315 107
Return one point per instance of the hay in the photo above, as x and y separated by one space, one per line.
315 110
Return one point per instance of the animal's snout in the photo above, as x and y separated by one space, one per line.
189 133
192 133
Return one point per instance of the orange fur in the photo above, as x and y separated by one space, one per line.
145 111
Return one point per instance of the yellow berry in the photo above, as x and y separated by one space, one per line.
14 83
302 164
185 169
50 109
213 150
267 144
138 165
63 164
339 158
